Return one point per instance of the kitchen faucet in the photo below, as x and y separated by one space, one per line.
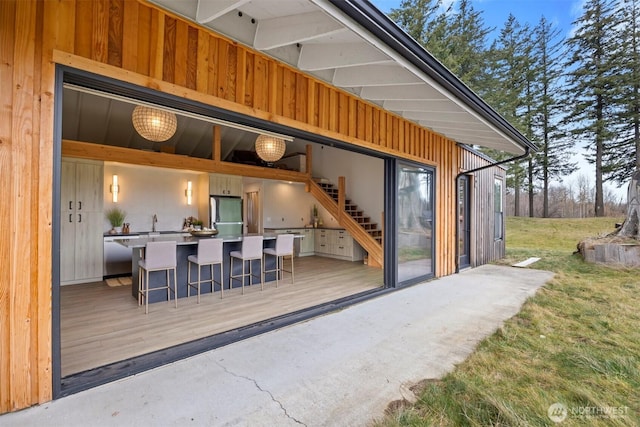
153 223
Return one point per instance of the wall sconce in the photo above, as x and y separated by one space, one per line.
189 192
114 188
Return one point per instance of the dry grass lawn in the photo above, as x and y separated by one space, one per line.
576 343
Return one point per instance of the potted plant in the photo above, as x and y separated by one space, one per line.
116 218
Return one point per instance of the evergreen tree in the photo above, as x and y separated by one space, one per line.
507 90
555 149
465 41
590 83
416 17
623 158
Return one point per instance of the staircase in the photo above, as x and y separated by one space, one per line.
352 210
365 232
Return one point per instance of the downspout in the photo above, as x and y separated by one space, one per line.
472 171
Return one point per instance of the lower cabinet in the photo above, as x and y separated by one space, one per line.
307 244
332 243
337 244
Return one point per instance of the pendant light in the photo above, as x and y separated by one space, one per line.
270 148
154 124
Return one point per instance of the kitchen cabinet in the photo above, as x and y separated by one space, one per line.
335 243
302 246
225 185
81 221
307 245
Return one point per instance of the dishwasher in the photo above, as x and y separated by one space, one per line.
117 258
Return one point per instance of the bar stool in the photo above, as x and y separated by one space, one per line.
159 256
284 248
209 253
251 250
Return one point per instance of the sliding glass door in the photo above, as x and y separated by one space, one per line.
414 223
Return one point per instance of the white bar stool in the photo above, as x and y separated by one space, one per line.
284 248
209 253
158 256
251 250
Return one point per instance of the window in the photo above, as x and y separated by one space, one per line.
498 232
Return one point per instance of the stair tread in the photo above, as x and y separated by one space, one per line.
356 214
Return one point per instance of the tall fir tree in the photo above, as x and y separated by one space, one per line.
554 157
416 17
591 82
624 156
508 66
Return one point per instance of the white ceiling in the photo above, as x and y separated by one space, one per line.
317 37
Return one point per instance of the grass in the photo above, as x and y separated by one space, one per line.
576 342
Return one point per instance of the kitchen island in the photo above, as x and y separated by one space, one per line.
188 245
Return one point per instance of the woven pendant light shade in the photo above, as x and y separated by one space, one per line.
270 148
153 124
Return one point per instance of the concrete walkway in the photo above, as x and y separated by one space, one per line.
340 369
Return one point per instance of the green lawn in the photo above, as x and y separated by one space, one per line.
577 342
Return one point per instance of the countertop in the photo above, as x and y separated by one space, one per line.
304 228
141 242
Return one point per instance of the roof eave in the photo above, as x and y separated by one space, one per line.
381 26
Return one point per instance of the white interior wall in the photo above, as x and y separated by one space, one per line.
145 191
364 177
289 205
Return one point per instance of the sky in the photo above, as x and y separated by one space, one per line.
562 13
495 12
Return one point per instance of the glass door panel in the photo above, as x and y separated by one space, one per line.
415 217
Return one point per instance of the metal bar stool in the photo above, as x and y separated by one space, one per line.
159 256
251 250
209 253
284 248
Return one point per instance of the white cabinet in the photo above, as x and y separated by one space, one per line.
307 246
225 185
337 244
321 243
302 246
81 221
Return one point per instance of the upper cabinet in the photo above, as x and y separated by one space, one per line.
225 185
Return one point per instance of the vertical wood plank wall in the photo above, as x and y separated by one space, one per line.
138 43
484 248
26 119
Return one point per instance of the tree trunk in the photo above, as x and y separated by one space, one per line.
630 226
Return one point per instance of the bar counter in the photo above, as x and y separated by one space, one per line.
188 245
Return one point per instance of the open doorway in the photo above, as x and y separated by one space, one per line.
103 332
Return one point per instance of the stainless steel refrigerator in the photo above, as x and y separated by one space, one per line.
226 215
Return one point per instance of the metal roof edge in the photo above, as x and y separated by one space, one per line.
380 25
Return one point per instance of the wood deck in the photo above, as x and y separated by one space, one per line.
102 324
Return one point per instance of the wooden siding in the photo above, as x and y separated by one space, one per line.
138 43
484 248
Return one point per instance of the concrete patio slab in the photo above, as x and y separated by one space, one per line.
339 369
